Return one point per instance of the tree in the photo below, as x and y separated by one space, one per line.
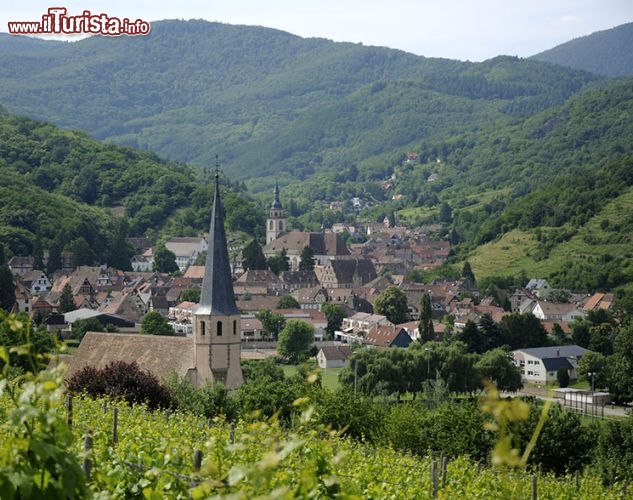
279 262
446 215
425 326
295 340
467 274
268 397
490 333
210 401
519 331
288 302
562 377
564 445
81 326
253 256
471 336
353 415
392 303
614 451
66 300
7 288
83 255
118 249
165 260
119 379
306 262
558 336
592 367
54 261
272 323
334 314
601 338
155 324
190 295
495 365
580 332
258 369
620 366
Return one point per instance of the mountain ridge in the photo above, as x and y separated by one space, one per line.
239 88
607 52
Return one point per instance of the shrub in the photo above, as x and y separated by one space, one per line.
121 380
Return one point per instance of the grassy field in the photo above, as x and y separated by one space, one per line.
517 250
329 377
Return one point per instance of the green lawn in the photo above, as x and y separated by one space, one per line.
329 376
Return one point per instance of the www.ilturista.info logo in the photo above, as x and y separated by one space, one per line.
56 22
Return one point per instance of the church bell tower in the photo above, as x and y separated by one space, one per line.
217 319
276 222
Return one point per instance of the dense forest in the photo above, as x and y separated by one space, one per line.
62 190
604 53
512 156
264 100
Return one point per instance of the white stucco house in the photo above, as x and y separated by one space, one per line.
539 364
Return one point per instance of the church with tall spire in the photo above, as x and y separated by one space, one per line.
326 246
276 222
217 319
212 355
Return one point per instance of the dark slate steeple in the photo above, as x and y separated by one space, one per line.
217 285
276 204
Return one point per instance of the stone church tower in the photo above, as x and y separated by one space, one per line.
216 326
276 222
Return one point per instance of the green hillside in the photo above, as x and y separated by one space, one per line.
265 100
507 149
606 53
60 189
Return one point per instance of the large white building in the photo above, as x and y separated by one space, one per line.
539 364
186 250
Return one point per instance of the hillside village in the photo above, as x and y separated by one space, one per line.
353 277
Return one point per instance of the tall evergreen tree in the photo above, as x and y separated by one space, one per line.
467 273
54 261
280 262
471 336
253 256
7 288
38 253
425 327
490 333
118 250
307 259
66 302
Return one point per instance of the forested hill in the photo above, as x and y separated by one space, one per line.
265 100
64 190
607 53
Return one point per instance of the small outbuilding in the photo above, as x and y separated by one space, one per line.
334 356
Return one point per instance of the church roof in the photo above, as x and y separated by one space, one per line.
329 244
161 355
217 285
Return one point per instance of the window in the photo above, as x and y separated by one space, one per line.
203 328
234 327
281 226
219 328
270 225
